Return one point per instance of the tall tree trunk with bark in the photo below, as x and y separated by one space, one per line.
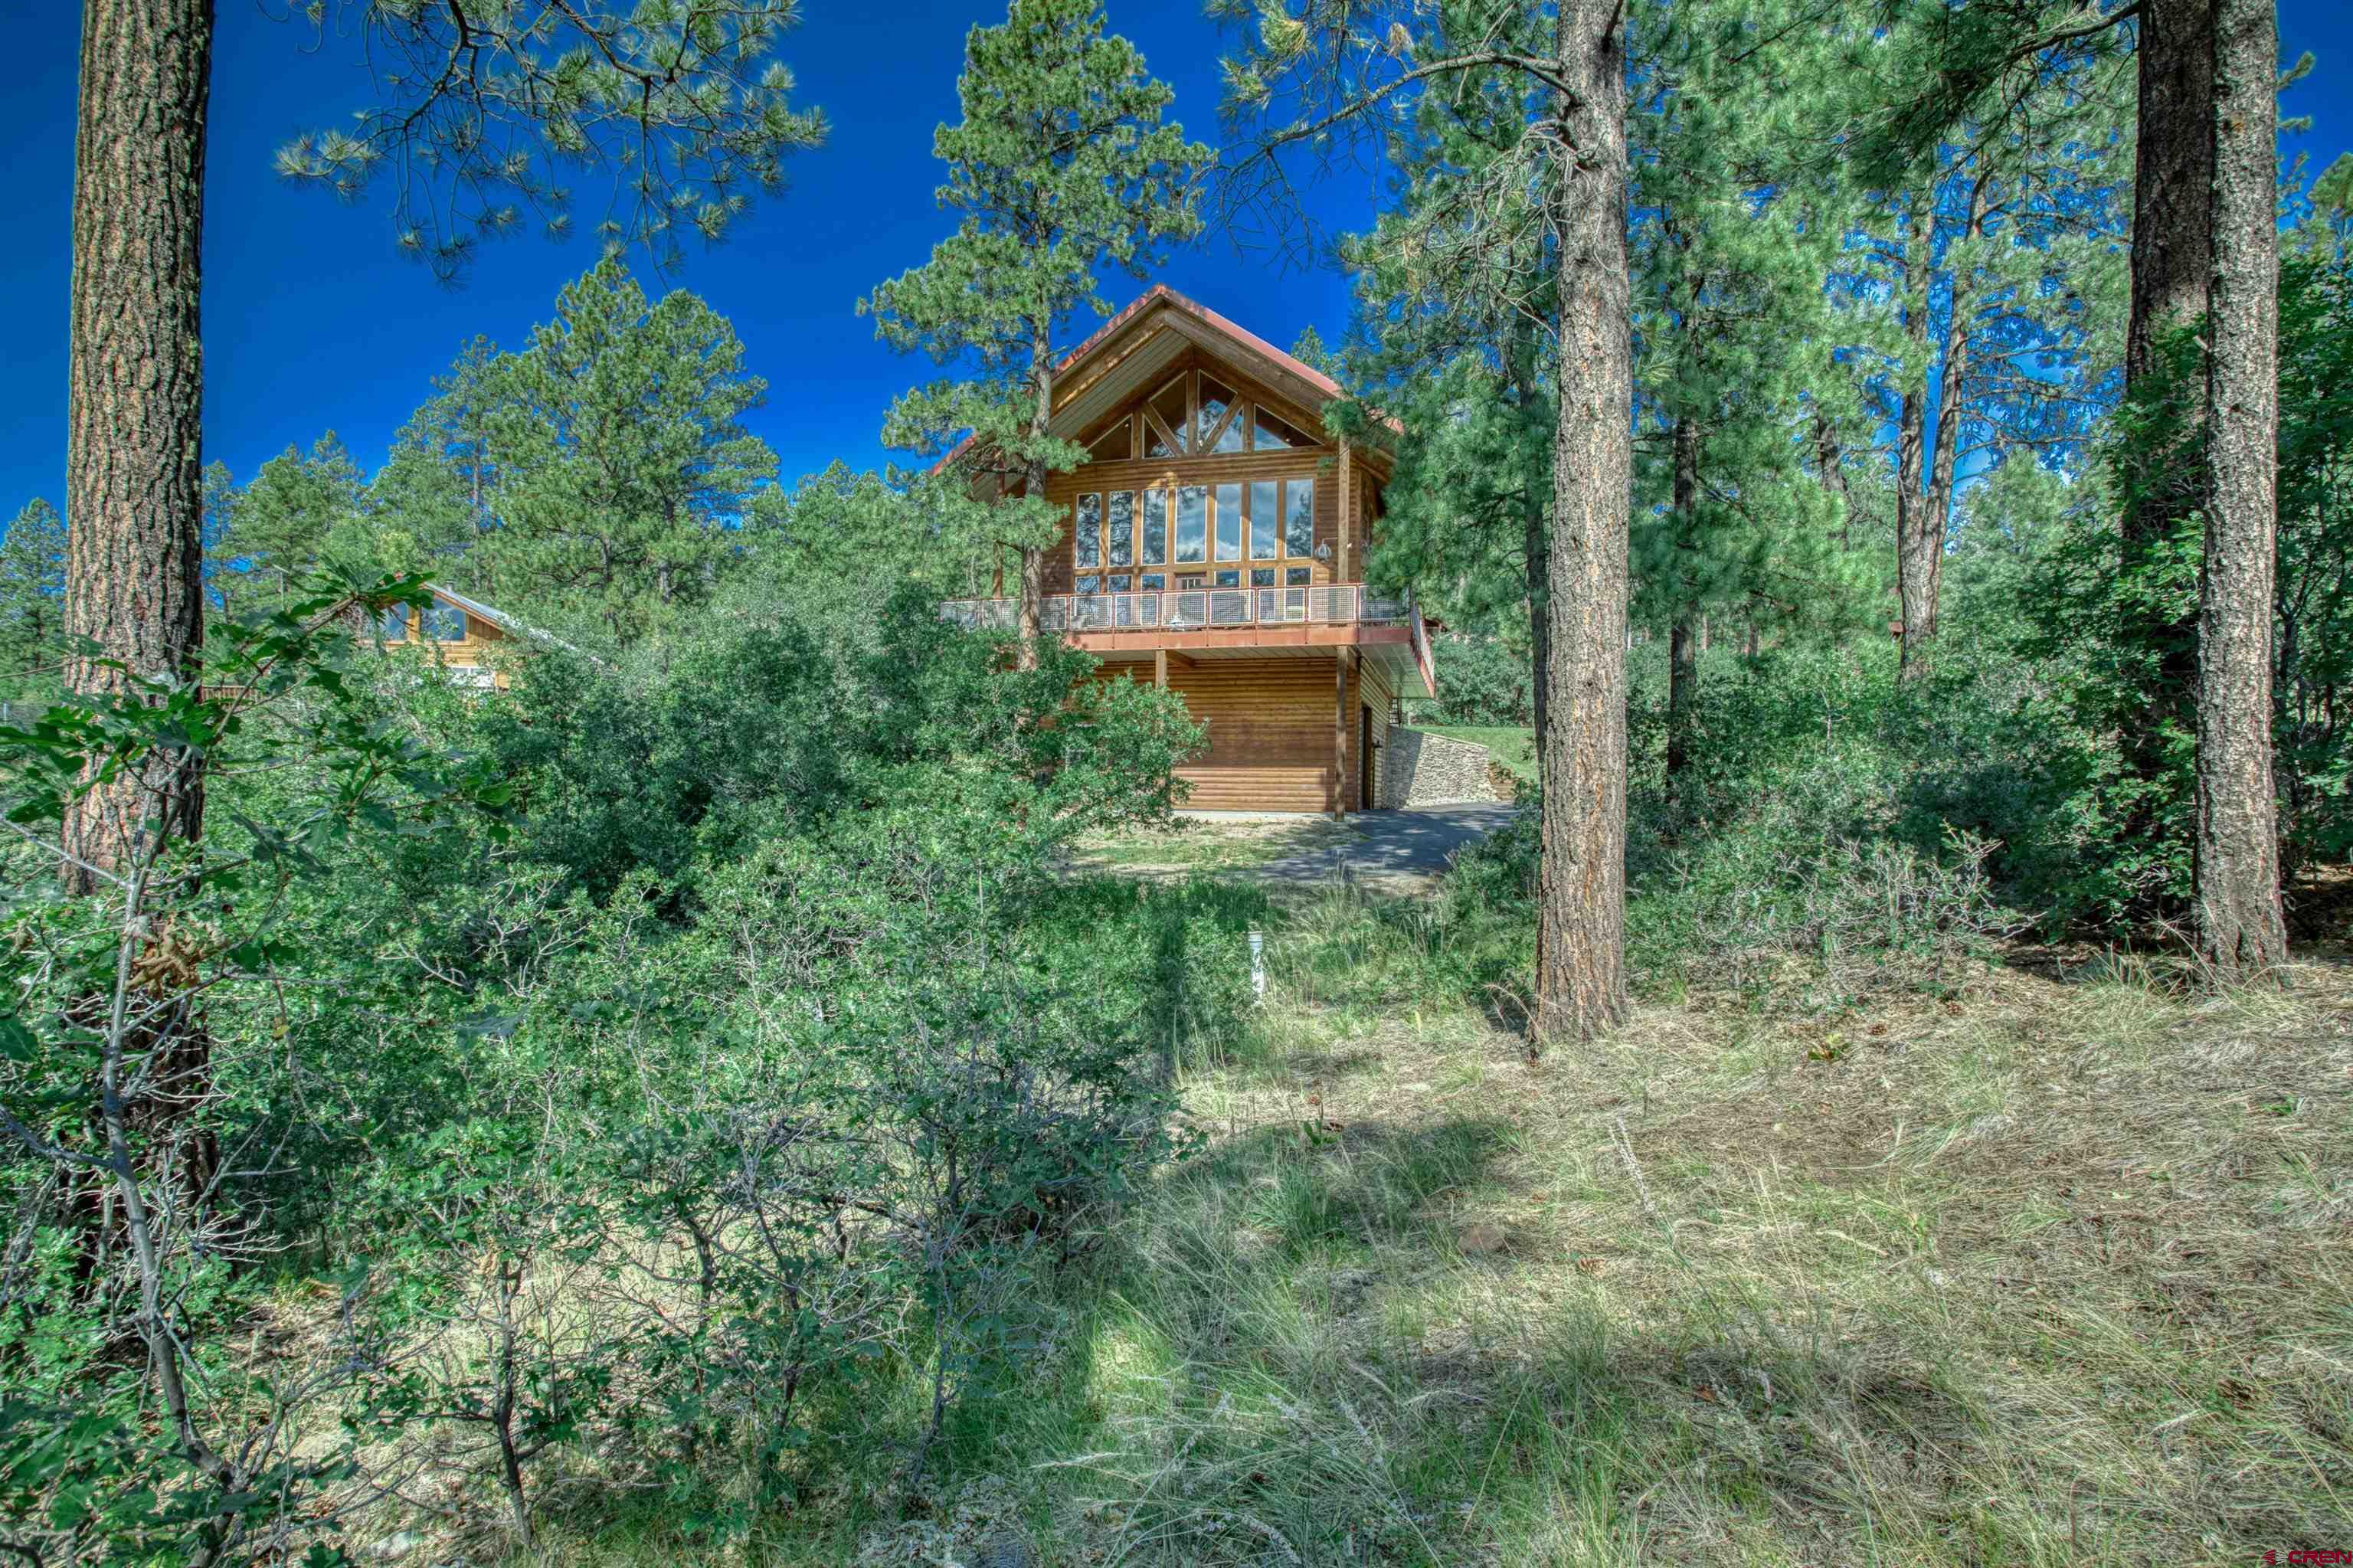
2172 268
134 400
135 551
1923 479
1534 560
2241 931
1033 483
1581 964
1831 468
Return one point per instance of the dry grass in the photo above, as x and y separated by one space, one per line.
1207 844
2040 1269
2052 1271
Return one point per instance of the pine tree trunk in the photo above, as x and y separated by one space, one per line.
134 480
1533 546
1033 561
1581 967
1832 470
2172 266
2241 931
1682 661
1919 532
2173 175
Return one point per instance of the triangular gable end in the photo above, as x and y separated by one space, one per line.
1186 381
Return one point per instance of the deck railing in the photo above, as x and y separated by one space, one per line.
1188 610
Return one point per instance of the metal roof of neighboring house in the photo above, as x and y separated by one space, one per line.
502 619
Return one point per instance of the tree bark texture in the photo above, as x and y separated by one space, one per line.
2241 930
1533 544
2172 269
1033 561
134 410
1832 466
1926 463
2173 175
1581 969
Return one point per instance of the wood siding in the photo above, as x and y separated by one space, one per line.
1270 725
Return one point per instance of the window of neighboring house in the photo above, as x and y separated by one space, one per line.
444 622
1192 523
1156 527
1271 432
1119 531
1230 521
394 627
1086 532
1299 517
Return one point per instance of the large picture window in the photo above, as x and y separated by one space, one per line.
1086 534
1156 527
1192 523
1119 528
1265 520
1299 517
1230 521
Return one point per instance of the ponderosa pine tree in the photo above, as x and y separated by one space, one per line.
280 521
2242 932
1988 252
679 102
1059 167
1735 523
1321 71
31 594
621 456
1453 320
2204 205
433 500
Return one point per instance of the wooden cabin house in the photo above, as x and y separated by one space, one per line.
458 633
1214 544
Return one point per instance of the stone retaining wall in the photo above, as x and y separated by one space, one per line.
1418 768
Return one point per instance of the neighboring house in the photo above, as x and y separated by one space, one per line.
459 632
1215 545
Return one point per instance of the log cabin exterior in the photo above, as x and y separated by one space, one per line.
1214 544
458 633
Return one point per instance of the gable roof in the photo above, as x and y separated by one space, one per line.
502 619
1080 400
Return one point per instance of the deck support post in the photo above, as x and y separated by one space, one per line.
1340 733
1160 668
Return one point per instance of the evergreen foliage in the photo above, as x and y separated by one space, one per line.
32 598
622 464
1060 168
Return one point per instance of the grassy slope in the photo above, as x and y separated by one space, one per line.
2046 1270
1513 745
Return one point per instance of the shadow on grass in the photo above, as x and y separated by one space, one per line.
1300 1354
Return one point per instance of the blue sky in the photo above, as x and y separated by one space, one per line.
312 323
